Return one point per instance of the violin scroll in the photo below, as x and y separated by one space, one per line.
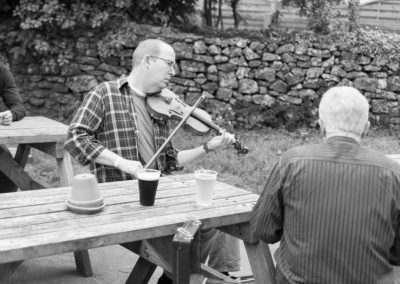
241 150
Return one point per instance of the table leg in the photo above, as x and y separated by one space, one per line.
261 262
141 272
15 172
82 259
7 269
181 261
82 263
22 154
65 169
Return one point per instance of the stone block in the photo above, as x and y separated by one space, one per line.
366 83
228 80
266 73
183 50
279 86
200 47
287 48
248 86
224 94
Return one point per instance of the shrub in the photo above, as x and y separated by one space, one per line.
45 25
319 12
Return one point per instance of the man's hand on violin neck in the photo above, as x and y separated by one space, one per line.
130 166
221 141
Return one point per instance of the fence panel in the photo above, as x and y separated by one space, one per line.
256 15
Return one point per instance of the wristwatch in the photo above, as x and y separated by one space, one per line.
205 147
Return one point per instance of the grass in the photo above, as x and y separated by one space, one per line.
249 171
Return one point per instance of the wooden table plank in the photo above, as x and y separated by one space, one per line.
61 194
66 192
105 186
34 129
104 219
89 237
120 204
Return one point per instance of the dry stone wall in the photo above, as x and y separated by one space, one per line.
248 82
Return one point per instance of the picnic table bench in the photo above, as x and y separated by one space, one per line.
37 223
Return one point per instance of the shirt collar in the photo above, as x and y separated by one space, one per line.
138 92
343 139
123 81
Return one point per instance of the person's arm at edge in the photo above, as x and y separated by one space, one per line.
394 258
266 219
11 96
185 157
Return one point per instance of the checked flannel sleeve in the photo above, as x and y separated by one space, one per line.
81 142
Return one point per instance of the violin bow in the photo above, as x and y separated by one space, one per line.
202 98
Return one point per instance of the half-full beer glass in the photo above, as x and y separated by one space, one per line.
148 183
205 186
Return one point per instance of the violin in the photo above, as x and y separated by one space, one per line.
167 105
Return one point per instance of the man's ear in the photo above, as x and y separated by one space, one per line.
366 128
321 127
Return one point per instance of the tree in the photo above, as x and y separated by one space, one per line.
236 15
209 6
319 12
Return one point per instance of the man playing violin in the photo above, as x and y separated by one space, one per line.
114 133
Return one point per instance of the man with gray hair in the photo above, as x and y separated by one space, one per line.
115 134
333 206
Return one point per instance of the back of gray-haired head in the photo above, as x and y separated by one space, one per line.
147 47
344 109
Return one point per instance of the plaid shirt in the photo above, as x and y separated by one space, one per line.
107 119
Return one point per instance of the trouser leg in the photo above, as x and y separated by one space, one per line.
6 185
223 251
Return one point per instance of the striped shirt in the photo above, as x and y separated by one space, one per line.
334 207
107 119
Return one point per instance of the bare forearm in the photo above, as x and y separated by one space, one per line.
187 156
106 157
109 158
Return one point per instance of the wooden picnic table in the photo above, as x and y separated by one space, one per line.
37 223
48 136
38 132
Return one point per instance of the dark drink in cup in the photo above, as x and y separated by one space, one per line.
148 183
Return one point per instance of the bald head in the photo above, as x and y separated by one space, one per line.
344 110
152 47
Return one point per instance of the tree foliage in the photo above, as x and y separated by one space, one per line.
319 12
44 26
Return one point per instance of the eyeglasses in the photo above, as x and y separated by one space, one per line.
170 63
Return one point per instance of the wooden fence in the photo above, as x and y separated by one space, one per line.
256 15
385 14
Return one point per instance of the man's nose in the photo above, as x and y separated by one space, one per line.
172 71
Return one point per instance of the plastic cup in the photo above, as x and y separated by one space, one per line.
148 183
85 192
205 186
